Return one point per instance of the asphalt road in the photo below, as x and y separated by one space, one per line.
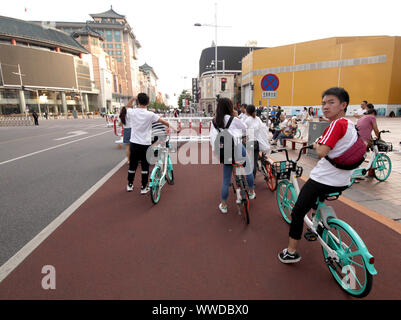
44 169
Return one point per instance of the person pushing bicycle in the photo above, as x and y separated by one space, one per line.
324 178
225 113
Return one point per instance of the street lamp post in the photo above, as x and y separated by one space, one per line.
215 45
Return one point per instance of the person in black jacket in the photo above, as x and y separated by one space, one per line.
35 117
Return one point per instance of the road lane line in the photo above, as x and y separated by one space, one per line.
51 148
25 251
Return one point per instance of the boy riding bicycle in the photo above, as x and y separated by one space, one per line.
324 177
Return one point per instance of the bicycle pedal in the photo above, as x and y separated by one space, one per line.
310 236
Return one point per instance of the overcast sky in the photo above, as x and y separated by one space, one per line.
172 45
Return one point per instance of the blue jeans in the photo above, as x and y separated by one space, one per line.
227 172
282 136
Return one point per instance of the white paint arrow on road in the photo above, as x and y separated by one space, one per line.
73 134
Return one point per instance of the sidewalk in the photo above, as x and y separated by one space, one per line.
381 197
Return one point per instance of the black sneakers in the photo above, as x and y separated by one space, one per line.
286 257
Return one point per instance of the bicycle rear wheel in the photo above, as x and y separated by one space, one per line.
286 198
245 209
350 272
382 167
155 190
271 181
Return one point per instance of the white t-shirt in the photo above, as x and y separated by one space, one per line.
257 131
141 125
360 112
243 116
339 136
127 121
237 129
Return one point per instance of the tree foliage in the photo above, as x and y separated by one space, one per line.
184 95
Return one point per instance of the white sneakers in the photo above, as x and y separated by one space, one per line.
145 190
130 188
222 209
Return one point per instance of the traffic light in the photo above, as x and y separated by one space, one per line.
223 84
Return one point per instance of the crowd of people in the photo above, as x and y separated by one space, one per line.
340 135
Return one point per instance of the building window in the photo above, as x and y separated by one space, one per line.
119 59
84 39
110 52
110 46
117 36
118 53
109 35
118 46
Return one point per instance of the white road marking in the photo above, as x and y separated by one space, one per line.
51 148
22 254
72 134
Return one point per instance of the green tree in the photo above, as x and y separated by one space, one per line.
158 106
184 95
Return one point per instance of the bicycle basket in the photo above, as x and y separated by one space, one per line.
383 146
282 169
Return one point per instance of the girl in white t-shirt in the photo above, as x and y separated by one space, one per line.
257 133
237 129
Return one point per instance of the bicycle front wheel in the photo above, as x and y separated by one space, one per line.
350 272
155 190
286 198
382 167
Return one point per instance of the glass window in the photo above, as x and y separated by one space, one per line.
118 46
110 52
118 53
109 35
117 36
110 46
119 59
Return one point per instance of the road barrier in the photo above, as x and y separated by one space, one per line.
16 121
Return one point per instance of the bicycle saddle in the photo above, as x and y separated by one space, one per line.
330 196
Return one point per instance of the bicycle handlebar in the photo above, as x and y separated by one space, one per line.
383 131
299 154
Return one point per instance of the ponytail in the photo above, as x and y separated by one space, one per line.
123 114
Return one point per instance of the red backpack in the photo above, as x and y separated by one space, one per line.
352 158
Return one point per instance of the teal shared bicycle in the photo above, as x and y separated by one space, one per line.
379 161
162 172
344 252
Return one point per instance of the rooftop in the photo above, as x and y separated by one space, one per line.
43 34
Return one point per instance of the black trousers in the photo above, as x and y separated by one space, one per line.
138 153
306 201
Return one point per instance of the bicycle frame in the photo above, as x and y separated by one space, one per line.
324 214
164 165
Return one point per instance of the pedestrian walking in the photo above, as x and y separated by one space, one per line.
141 128
125 121
35 117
